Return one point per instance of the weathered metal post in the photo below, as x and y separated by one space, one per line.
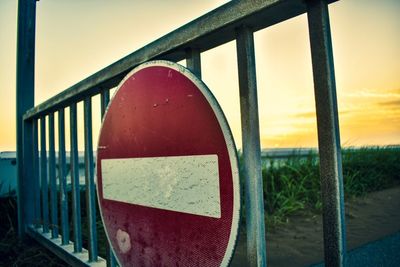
89 178
25 100
255 222
328 133
193 61
104 100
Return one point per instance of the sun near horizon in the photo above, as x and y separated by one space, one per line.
365 37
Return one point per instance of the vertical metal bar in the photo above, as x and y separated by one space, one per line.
76 202
193 61
43 175
328 133
89 177
255 222
52 179
62 176
28 168
111 261
36 178
105 98
25 94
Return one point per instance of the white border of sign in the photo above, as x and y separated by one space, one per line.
227 136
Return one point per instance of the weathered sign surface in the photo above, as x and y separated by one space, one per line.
167 172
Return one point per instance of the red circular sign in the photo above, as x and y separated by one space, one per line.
167 172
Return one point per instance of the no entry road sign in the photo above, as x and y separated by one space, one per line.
167 171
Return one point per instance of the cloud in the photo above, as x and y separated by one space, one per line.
395 91
312 114
391 104
368 93
305 115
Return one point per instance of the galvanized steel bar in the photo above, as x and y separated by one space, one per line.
28 167
89 178
328 134
111 260
36 177
52 179
105 98
193 61
74 162
43 175
256 248
25 95
208 31
62 176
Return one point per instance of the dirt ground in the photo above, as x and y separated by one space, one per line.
300 241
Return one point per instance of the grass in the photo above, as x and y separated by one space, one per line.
15 252
27 252
292 185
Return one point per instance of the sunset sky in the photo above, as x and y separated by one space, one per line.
79 37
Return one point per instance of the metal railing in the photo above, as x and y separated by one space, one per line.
236 20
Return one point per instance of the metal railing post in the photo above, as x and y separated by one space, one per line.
328 133
43 175
255 222
62 176
89 178
105 99
74 164
25 100
193 61
52 179
35 175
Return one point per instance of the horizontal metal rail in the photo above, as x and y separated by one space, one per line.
65 252
208 31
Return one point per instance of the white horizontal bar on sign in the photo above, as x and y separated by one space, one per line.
188 184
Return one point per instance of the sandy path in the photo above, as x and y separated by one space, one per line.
300 242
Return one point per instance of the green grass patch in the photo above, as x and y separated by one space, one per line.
292 185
